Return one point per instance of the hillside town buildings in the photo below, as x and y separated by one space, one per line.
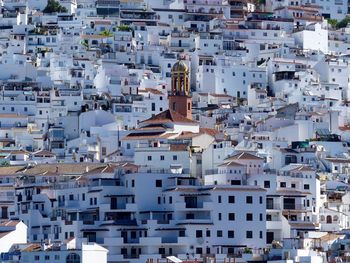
174 131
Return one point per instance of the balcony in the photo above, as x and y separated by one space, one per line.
204 206
113 241
73 204
123 207
151 241
169 240
274 224
273 206
292 206
195 221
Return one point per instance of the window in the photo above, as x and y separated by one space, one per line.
36 258
231 199
47 257
283 184
306 186
261 217
231 216
132 183
260 199
73 258
149 158
207 233
249 217
230 234
266 184
162 157
199 250
219 233
57 257
249 199
182 233
219 199
170 199
249 234
158 183
260 234
199 233
174 157
219 216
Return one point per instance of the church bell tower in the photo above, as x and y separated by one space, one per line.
179 98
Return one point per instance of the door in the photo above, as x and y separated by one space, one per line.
269 237
289 203
269 203
191 201
124 235
113 203
4 212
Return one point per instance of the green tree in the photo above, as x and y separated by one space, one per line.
106 33
343 23
4 163
332 22
124 28
54 7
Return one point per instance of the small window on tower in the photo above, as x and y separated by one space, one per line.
189 106
174 106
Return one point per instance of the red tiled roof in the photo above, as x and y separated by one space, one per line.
168 116
178 147
209 131
151 90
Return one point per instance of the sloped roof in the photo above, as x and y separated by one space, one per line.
151 90
44 153
10 223
168 116
303 168
209 131
231 163
244 156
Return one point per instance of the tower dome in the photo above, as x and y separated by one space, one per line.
179 98
179 66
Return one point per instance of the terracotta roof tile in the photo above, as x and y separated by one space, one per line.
168 116
151 90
